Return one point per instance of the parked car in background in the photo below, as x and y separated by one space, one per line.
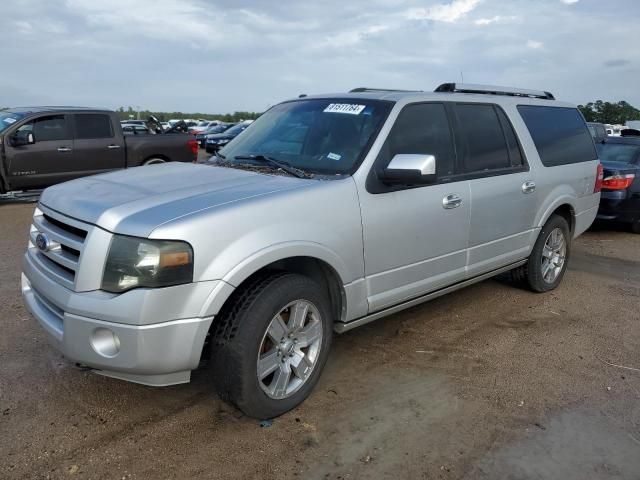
620 200
220 128
598 131
613 130
327 213
135 129
216 141
202 126
41 146
142 123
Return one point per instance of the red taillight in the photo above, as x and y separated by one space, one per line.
618 182
599 177
193 145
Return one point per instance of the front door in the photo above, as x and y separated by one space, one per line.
415 238
46 161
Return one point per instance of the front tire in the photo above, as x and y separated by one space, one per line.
548 260
271 343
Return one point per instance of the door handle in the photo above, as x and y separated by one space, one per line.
64 149
453 200
528 186
113 147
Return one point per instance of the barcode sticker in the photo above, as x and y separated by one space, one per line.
349 108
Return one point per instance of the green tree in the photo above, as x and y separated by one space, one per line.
607 112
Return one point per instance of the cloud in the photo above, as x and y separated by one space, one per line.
495 19
534 44
450 12
569 2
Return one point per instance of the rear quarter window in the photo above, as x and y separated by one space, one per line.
560 134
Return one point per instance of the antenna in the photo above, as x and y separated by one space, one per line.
461 77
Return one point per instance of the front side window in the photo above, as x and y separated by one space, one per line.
560 134
481 136
421 129
90 125
323 136
49 128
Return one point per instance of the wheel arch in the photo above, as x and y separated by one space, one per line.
563 206
312 260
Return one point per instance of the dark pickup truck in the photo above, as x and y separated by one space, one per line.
41 146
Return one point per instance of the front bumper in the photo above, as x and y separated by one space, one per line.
157 354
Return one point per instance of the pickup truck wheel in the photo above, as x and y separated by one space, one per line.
271 344
154 161
548 260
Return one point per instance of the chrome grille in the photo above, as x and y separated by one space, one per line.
67 237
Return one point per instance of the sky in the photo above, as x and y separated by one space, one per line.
219 56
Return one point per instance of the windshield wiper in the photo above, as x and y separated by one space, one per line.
284 166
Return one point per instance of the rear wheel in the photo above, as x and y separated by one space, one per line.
548 260
271 344
635 226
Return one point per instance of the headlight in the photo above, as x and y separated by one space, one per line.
139 262
222 142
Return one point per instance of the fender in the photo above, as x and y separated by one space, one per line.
267 256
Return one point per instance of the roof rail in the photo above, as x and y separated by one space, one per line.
367 89
493 90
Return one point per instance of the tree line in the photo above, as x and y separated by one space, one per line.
607 112
130 112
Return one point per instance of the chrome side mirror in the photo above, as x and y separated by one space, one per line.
410 169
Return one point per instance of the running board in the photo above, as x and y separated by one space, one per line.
345 327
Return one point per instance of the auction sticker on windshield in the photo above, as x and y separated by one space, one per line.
350 108
10 120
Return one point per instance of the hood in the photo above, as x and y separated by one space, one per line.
138 200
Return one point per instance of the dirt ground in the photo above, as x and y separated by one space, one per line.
491 382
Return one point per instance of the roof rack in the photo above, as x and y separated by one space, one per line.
367 89
493 90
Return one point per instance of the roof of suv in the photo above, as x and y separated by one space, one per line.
455 92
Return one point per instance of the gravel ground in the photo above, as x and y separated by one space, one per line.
489 382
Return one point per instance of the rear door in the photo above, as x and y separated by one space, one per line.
48 160
503 189
98 146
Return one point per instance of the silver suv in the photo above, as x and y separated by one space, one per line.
327 213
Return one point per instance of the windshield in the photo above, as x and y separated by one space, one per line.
618 152
217 129
9 118
325 136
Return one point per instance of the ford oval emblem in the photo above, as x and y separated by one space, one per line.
42 242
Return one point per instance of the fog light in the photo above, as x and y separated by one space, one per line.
105 342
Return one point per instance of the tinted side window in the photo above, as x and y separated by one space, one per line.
422 128
515 154
560 134
89 125
481 135
50 128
